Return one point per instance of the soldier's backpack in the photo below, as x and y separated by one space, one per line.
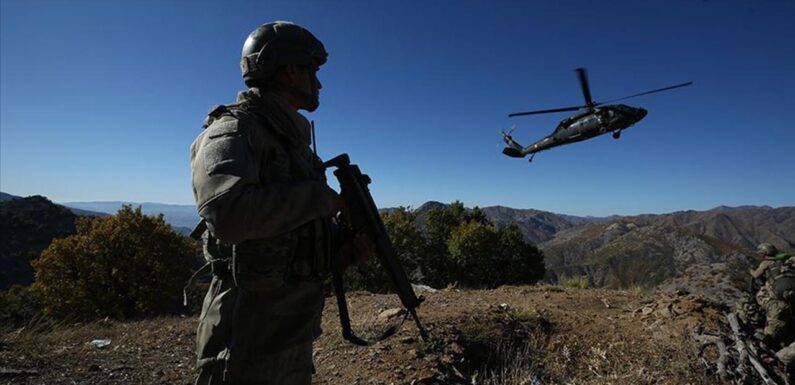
784 277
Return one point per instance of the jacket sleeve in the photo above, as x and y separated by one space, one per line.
761 269
230 197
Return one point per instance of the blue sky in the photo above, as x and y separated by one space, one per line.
100 100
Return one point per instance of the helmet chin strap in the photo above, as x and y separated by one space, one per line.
302 95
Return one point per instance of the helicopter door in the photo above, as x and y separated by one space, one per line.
603 119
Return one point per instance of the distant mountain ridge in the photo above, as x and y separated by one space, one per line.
27 226
7 197
182 217
707 251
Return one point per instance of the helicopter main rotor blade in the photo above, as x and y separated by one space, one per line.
546 111
586 89
648 92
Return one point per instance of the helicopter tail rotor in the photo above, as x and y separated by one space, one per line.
512 148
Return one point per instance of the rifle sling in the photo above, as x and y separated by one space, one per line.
345 320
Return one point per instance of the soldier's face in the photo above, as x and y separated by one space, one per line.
309 86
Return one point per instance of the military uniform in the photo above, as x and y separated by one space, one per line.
787 356
263 195
777 297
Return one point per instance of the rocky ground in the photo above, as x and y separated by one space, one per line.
510 335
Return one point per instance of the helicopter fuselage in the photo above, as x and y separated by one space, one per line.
591 120
585 125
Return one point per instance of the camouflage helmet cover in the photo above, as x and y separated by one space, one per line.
275 44
767 249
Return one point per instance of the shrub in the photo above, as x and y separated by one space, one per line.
122 266
456 246
488 257
409 246
580 282
473 247
518 262
17 307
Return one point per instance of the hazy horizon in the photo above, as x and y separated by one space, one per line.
189 205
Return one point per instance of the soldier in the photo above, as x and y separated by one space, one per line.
776 295
263 196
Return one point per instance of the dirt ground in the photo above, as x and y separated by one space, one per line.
510 335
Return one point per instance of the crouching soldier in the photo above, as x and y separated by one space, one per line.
776 296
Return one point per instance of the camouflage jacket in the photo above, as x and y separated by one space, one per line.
261 190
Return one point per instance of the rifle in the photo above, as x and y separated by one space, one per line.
365 218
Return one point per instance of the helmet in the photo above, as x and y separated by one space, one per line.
275 44
767 249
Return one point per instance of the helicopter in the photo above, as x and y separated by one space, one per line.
593 119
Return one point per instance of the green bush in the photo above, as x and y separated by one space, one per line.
517 261
484 256
122 266
473 248
457 246
409 247
17 307
580 282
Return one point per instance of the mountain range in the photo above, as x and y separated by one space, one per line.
27 226
183 218
705 251
708 252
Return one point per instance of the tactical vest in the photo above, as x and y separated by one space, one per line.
268 263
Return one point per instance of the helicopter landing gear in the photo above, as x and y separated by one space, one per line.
531 157
616 134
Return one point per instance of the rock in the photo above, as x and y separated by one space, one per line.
407 340
99 344
423 288
455 348
388 314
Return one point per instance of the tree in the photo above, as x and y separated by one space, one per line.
473 247
484 256
122 266
521 262
457 246
439 225
409 246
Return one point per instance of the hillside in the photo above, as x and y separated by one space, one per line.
707 252
746 226
7 197
510 335
624 255
27 226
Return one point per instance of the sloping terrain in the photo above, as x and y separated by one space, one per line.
707 252
746 226
624 255
27 226
510 335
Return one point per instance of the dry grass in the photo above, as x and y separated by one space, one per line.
511 335
574 282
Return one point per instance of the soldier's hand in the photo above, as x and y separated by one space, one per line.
356 250
338 204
